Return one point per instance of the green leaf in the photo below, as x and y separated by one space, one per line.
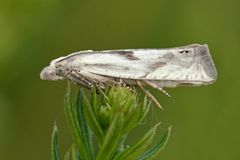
131 119
136 115
145 107
111 116
104 116
120 99
78 126
54 143
137 149
155 150
92 120
121 146
81 124
94 102
112 138
72 153
67 156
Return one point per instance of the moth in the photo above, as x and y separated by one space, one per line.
189 65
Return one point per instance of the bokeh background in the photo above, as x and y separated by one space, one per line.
32 32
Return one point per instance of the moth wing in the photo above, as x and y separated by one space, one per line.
191 64
120 64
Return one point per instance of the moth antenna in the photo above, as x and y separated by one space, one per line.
149 95
164 92
156 87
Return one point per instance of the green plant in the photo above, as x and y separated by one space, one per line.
109 116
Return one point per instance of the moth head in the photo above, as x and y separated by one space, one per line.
55 71
60 71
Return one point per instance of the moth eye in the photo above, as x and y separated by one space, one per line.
60 71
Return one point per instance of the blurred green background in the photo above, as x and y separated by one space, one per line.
205 119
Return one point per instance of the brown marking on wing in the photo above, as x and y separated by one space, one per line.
157 65
127 54
107 66
168 56
206 61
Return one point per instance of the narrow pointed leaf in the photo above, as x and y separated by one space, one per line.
92 120
78 133
67 156
72 153
112 138
154 151
54 143
81 124
94 102
121 146
137 149
145 107
131 119
136 115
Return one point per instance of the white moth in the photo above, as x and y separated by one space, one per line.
188 65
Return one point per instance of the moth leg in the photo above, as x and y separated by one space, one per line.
101 81
99 86
121 83
75 80
153 85
124 84
79 79
149 95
